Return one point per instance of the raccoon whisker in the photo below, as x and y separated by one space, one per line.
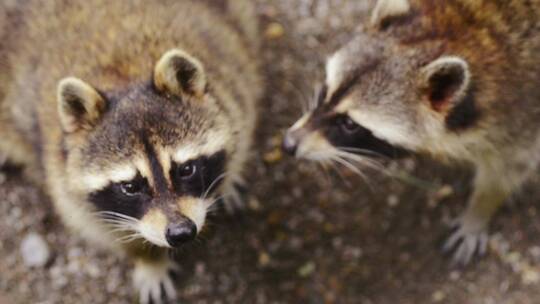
130 237
116 215
212 210
120 224
359 157
320 155
347 163
362 152
332 157
117 221
123 229
330 163
361 160
215 182
334 166
305 101
127 239
324 168
212 203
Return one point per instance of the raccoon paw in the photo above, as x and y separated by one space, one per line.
468 240
234 202
154 282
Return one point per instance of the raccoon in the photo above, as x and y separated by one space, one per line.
454 79
135 116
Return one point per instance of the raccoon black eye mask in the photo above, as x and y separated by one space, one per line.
341 131
195 177
134 197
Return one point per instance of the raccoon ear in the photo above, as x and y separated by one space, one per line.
446 81
180 73
387 9
79 105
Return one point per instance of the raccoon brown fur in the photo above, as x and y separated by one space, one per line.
457 79
136 115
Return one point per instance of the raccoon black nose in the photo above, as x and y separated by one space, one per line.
289 144
180 233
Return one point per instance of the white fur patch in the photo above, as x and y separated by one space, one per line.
344 105
383 129
301 122
314 146
215 141
334 71
153 226
389 8
153 235
195 209
94 181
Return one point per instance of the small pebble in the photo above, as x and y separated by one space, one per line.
254 204
273 156
264 259
438 296
306 270
34 250
274 31
392 200
530 277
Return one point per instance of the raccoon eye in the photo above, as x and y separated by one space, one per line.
187 171
131 188
348 125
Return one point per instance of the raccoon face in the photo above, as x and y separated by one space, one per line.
149 159
381 98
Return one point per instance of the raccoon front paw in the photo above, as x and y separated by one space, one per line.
469 239
154 282
234 201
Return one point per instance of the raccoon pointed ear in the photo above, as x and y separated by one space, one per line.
445 82
79 105
180 73
387 9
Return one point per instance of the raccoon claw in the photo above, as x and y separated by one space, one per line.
154 282
467 241
235 202
233 205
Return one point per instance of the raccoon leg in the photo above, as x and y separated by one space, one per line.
12 148
152 278
235 192
470 236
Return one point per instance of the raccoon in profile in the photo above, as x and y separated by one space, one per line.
457 79
137 116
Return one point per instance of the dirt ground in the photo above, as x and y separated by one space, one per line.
307 236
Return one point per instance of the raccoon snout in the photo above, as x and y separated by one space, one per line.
178 234
290 144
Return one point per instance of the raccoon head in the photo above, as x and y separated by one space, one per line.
383 97
150 158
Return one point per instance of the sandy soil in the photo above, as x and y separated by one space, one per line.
307 236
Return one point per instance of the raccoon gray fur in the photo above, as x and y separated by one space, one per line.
136 116
456 79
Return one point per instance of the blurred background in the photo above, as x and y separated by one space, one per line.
307 235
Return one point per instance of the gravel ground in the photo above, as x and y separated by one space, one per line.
307 236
